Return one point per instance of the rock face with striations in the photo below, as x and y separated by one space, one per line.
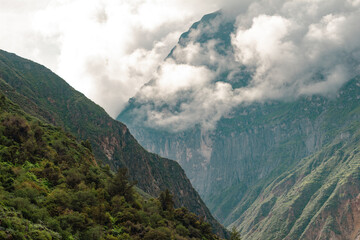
275 170
43 94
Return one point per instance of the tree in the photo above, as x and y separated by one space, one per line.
87 144
120 185
16 128
160 233
166 200
234 234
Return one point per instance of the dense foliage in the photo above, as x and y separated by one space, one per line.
51 188
46 96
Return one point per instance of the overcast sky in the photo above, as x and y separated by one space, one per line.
289 48
108 49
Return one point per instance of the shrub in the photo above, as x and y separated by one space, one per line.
16 128
73 177
94 233
181 230
121 186
166 200
158 234
40 235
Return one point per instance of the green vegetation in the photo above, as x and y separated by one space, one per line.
234 234
278 170
314 198
52 188
46 96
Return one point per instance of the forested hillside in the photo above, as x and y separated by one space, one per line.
43 94
52 188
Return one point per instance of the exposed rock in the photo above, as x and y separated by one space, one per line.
111 140
256 149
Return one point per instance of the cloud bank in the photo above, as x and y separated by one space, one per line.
278 50
106 49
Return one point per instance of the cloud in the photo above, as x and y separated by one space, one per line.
107 49
17 35
292 56
279 50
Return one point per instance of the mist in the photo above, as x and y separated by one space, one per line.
288 49
110 49
107 49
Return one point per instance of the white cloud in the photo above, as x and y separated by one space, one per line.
281 50
263 41
108 49
292 56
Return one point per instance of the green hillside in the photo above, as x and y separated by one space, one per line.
43 94
317 197
52 188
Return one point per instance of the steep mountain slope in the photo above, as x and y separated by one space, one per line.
274 169
319 198
52 188
43 94
192 147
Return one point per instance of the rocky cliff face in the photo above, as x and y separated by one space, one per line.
231 153
263 167
252 144
43 94
318 198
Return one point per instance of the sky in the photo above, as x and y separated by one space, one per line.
283 49
108 50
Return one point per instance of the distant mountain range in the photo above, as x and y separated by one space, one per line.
276 169
46 96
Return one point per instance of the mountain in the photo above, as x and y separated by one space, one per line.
192 147
277 169
52 188
46 96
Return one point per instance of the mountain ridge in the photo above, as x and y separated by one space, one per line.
235 165
43 94
52 188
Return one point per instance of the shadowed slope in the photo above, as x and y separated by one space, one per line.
43 94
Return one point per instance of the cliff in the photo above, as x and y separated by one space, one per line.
43 94
238 166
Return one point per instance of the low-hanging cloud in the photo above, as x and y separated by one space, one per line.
109 49
285 49
106 49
